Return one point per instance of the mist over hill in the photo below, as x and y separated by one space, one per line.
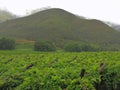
117 27
114 25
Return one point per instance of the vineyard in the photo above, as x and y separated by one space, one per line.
59 71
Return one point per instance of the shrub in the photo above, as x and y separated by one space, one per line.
7 44
44 46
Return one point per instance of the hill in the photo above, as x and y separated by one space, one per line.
60 26
6 15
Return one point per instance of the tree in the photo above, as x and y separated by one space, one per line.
89 47
7 44
73 47
44 46
79 47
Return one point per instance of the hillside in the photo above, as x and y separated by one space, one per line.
59 26
5 15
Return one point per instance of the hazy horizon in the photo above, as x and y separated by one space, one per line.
106 10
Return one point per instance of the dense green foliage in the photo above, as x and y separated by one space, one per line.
7 44
73 47
61 27
44 46
77 47
90 47
59 71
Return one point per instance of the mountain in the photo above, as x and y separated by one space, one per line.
6 15
60 26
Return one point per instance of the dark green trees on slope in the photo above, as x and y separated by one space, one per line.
79 47
44 46
7 44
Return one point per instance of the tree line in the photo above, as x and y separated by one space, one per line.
47 46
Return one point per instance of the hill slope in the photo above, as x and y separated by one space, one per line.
59 26
5 15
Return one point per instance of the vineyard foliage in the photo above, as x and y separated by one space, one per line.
59 71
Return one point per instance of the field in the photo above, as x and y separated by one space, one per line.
30 70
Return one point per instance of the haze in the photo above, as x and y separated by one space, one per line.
107 10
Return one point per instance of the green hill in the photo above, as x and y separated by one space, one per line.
60 26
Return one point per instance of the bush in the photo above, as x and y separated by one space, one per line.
7 44
44 46
73 47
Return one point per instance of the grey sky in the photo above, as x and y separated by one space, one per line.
107 10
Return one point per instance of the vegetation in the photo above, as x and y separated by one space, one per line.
44 46
7 44
21 70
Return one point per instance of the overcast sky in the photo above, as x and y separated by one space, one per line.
108 10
